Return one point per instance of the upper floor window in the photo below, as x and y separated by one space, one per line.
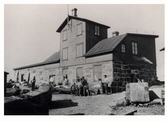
64 35
123 48
79 50
79 29
97 30
134 48
65 53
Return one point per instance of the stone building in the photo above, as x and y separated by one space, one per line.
86 50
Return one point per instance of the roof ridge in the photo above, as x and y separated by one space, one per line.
51 55
79 18
41 63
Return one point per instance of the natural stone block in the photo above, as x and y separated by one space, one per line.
137 92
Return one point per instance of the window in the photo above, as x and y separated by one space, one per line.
97 30
79 50
134 48
79 29
64 35
65 53
97 73
79 73
65 72
22 77
123 49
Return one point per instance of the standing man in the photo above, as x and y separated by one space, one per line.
109 88
51 80
105 84
135 77
85 86
33 83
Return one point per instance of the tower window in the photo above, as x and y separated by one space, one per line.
79 50
134 48
65 53
64 35
79 29
97 30
123 48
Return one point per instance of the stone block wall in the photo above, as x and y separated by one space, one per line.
88 71
107 69
71 43
148 73
122 73
41 73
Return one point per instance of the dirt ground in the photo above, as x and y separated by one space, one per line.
65 104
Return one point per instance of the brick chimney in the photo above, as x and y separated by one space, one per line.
74 11
115 33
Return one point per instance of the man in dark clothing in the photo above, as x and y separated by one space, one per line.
85 86
33 83
135 77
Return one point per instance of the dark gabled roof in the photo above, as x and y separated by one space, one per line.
77 18
55 58
141 34
109 44
105 45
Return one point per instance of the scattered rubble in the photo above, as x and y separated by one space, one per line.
29 102
113 104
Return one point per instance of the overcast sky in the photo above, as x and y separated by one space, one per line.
31 37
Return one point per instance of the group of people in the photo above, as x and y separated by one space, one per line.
81 88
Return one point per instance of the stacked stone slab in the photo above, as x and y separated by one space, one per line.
137 92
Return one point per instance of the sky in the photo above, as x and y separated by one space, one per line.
30 30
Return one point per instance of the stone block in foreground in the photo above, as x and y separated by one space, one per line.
137 92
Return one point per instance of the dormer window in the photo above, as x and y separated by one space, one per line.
97 30
123 48
134 48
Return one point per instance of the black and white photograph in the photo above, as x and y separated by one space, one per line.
84 59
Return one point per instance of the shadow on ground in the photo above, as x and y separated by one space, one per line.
77 114
62 104
152 95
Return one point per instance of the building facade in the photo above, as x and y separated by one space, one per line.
86 50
